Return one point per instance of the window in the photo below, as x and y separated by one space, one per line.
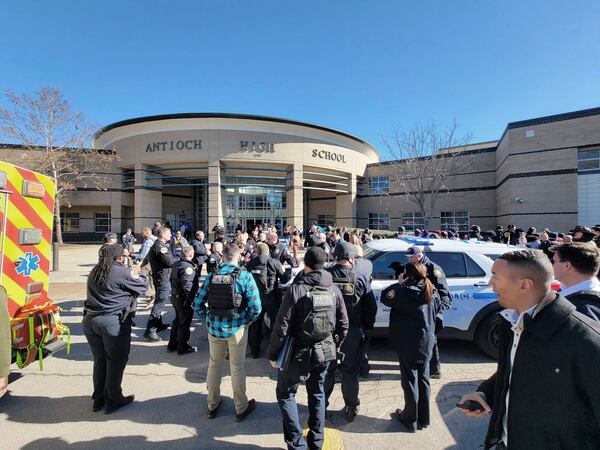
455 219
326 219
452 263
473 269
381 271
412 220
102 222
379 185
588 160
69 222
379 221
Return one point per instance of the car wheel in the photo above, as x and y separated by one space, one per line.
486 336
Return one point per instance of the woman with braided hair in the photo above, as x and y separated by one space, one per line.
112 289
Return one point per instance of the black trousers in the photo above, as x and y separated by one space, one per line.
256 333
110 341
163 292
415 384
434 364
352 348
180 327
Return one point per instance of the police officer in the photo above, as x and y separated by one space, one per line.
267 273
200 250
215 258
109 307
313 314
362 308
161 261
413 304
279 251
436 275
183 274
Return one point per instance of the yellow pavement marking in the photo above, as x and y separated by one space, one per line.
333 439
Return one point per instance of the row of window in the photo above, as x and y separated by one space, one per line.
412 220
588 160
70 222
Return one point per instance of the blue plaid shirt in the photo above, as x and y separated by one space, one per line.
224 327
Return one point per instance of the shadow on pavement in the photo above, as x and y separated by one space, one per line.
186 410
138 442
468 432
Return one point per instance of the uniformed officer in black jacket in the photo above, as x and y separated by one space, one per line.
215 258
362 309
438 278
267 273
313 347
279 251
200 250
413 303
112 289
183 274
161 261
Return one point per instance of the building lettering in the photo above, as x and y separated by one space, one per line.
258 147
331 156
163 146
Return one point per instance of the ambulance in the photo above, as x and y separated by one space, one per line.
26 219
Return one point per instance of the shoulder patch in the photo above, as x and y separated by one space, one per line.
437 272
277 251
391 294
134 274
189 271
164 250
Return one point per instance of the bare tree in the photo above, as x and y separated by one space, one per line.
426 156
57 139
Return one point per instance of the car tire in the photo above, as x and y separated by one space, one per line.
486 336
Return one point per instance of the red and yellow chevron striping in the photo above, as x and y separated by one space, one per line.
26 219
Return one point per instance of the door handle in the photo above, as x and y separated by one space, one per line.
481 284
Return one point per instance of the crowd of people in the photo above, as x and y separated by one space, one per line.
319 324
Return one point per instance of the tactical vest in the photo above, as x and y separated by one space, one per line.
222 298
261 276
347 285
318 322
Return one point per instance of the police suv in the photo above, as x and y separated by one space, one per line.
467 265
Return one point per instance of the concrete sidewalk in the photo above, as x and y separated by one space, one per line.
52 409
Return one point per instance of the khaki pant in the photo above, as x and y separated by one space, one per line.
237 360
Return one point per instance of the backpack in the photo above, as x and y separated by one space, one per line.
318 322
33 326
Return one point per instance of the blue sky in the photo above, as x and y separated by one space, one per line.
358 66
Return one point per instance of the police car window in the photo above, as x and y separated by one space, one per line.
452 263
473 269
381 271
492 257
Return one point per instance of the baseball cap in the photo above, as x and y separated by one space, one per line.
414 250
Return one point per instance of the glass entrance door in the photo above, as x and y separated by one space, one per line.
252 205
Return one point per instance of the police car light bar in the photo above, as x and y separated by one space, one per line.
417 241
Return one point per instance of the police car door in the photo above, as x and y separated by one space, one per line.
384 276
467 276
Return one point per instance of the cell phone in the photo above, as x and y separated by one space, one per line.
470 405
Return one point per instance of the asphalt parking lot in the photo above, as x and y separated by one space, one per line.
52 408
